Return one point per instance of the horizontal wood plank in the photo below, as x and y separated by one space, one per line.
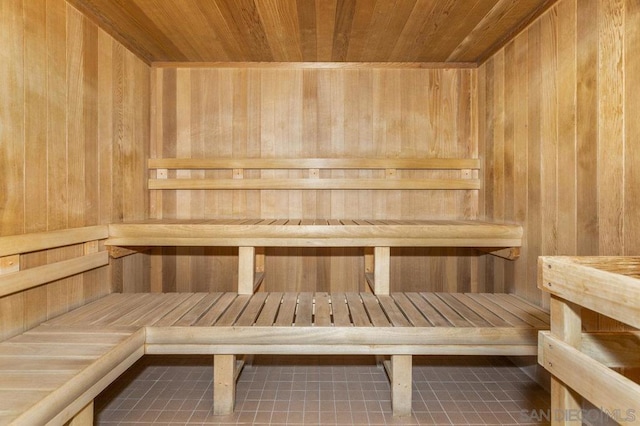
318 184
315 163
26 243
29 278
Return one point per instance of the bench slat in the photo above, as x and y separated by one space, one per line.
82 314
340 310
164 308
322 314
429 312
512 319
180 310
251 312
199 309
304 311
531 309
465 311
522 311
485 313
287 310
268 315
215 312
356 308
135 302
234 310
377 315
409 309
392 311
445 310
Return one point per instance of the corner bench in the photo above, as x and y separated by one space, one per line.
55 370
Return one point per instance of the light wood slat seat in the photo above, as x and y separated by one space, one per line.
52 372
60 366
321 233
247 234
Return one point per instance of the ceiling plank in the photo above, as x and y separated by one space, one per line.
313 30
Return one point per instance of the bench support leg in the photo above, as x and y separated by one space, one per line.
401 382
246 269
84 417
382 260
566 323
224 384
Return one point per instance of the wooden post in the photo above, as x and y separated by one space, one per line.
369 267
566 324
246 269
401 382
382 259
84 416
224 384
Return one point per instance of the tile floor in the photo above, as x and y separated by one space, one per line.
324 390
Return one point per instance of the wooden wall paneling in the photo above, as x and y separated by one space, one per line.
183 149
519 108
12 36
35 166
478 272
280 112
534 228
489 164
567 90
79 151
611 136
547 62
509 152
496 278
105 130
566 122
632 127
587 127
35 117
59 157
611 127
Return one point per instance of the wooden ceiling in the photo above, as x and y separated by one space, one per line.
467 31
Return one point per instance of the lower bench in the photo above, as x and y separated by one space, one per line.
54 371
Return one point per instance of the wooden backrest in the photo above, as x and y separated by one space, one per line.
14 278
313 173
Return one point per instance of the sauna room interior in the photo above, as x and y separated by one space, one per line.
533 105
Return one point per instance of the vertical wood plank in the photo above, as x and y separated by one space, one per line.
632 128
611 128
12 116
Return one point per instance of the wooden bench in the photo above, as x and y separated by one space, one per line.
76 351
247 234
582 363
51 374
